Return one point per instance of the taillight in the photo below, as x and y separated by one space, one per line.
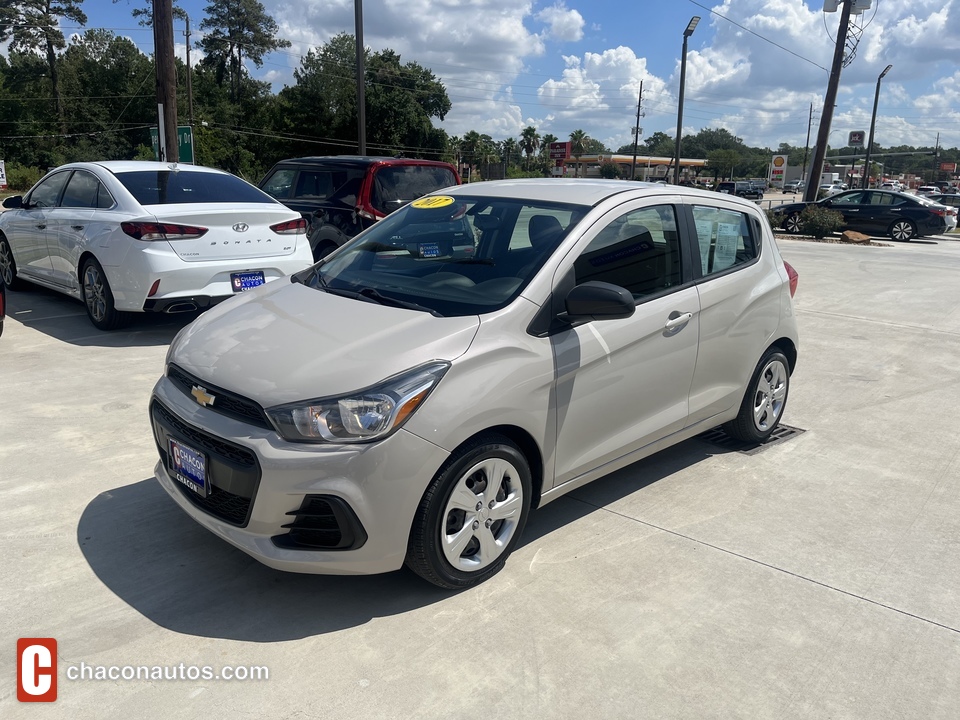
794 277
162 231
290 227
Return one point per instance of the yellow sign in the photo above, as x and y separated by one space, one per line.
432 202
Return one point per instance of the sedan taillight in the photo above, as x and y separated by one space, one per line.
162 231
794 277
290 227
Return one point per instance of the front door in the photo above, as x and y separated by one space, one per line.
623 384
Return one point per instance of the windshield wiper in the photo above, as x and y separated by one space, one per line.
372 295
376 296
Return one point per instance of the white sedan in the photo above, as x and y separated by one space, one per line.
137 236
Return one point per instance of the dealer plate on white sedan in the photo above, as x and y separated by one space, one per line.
242 281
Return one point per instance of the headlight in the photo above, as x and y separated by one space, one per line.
363 416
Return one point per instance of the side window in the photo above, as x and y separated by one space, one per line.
725 237
85 191
279 184
639 251
46 193
314 185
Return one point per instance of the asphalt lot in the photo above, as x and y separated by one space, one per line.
818 578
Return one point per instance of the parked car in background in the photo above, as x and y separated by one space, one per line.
741 188
891 185
829 189
341 195
952 202
794 186
874 212
398 403
136 236
927 190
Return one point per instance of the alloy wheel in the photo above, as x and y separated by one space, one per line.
94 293
6 264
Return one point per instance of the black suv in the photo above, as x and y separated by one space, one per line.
343 194
741 188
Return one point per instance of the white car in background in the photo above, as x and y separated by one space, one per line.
830 189
137 236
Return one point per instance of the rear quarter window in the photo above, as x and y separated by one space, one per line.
726 239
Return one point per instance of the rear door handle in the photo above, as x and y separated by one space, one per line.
76 227
41 227
678 322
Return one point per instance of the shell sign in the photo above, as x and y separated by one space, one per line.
777 166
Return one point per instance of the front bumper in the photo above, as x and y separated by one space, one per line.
373 490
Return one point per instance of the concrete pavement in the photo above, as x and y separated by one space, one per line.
818 578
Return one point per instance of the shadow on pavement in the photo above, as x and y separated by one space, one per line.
64 318
183 578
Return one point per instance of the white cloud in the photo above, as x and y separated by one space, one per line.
562 24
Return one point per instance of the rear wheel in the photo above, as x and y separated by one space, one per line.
8 266
764 401
322 250
902 230
98 298
792 223
472 514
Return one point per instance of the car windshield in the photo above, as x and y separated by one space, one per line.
170 187
448 256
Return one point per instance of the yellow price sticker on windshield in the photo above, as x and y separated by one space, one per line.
433 202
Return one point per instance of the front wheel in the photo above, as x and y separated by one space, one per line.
792 223
764 400
472 514
902 230
8 266
98 298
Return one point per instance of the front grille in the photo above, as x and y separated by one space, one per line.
323 522
233 471
225 402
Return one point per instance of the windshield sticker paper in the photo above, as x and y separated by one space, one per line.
433 202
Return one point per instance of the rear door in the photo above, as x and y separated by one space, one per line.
849 204
68 223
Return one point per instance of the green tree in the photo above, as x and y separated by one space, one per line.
722 162
236 29
659 145
34 26
529 143
578 147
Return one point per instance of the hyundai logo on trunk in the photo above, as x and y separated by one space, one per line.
241 227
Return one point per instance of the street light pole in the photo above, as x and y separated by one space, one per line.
691 26
873 123
636 135
361 101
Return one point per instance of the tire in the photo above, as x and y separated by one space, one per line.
98 299
764 401
8 266
322 250
791 223
903 230
463 532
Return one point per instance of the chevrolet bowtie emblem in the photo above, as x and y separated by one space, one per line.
202 396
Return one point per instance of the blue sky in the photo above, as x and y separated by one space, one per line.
561 65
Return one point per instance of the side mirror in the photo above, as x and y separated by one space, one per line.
597 300
13 202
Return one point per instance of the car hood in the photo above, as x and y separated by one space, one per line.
286 342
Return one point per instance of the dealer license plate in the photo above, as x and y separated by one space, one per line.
189 467
243 281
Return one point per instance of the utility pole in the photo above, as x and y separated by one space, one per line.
636 135
189 74
806 149
826 117
166 80
361 100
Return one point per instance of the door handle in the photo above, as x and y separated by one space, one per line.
41 227
76 227
678 322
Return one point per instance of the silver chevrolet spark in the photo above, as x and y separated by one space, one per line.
476 354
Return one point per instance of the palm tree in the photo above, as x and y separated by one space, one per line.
578 140
509 152
529 142
469 147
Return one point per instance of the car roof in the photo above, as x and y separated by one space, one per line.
116 166
358 161
575 191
